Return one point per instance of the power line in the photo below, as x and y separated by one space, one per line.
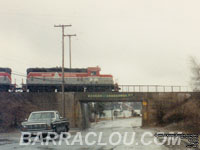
23 75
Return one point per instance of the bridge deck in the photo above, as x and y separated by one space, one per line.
119 96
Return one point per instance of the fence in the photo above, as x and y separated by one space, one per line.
153 88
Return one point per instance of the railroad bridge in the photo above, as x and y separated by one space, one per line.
76 103
149 100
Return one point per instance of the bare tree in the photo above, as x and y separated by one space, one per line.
195 79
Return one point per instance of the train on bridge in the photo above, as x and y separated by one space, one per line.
6 80
50 80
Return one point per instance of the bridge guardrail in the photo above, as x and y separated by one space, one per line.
153 88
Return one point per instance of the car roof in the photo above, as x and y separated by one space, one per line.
44 111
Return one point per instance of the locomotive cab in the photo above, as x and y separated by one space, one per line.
94 71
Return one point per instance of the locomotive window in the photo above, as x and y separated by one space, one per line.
93 73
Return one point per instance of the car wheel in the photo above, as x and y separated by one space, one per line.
25 140
66 128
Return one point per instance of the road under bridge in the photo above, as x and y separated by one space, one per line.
149 101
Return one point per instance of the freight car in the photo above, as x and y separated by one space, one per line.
75 79
5 80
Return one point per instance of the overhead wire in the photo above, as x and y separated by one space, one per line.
38 78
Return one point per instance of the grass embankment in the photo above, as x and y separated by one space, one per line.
13 110
181 115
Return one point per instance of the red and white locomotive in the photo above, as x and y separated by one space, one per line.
75 79
5 79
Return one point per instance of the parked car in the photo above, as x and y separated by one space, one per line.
45 121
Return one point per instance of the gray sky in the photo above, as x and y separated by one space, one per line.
137 41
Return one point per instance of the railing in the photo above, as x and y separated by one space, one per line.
153 88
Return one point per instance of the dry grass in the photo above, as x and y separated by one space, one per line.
185 114
13 111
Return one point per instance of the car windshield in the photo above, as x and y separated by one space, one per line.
41 116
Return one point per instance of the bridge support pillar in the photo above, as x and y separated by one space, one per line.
85 115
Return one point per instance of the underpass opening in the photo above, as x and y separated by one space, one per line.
115 110
154 104
109 106
100 111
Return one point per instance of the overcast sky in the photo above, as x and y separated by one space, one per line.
137 41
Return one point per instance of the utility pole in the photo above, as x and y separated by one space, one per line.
70 56
63 67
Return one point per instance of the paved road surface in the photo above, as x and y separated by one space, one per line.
106 128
